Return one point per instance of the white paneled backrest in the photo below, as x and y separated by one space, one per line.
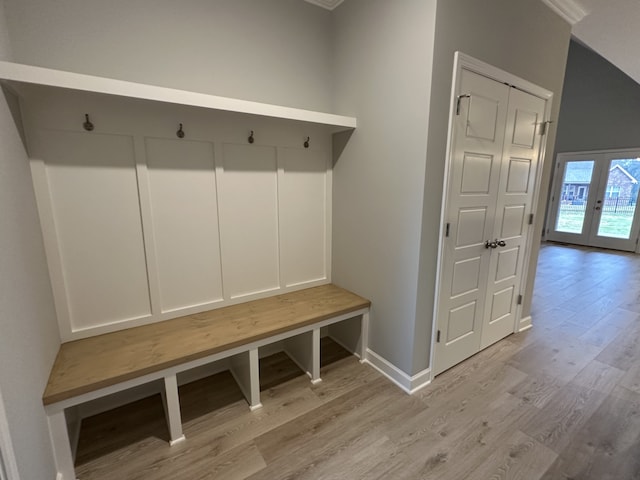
249 220
94 198
184 213
303 214
142 226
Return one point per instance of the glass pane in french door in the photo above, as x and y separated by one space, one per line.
573 196
620 199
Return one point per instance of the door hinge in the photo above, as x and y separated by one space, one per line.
544 127
460 97
519 299
438 337
531 219
446 233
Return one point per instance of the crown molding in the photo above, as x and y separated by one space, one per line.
328 4
570 10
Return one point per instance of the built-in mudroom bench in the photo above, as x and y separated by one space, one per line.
99 366
185 233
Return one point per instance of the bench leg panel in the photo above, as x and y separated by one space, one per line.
364 337
245 368
304 350
61 446
172 409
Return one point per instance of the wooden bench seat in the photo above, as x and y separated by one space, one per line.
98 366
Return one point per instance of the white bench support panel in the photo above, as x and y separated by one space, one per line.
245 368
172 409
61 446
304 350
364 337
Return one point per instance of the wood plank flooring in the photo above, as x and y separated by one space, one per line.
560 401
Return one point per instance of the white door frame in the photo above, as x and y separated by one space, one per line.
558 180
7 455
463 61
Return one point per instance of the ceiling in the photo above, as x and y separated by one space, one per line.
611 29
608 27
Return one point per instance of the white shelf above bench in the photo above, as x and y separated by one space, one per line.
15 72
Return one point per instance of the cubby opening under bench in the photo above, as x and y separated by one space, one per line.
95 367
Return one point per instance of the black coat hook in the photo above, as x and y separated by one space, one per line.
87 125
306 143
180 132
251 139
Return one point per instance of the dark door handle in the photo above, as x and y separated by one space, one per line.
502 243
489 244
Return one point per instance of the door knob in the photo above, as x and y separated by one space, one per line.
489 244
502 243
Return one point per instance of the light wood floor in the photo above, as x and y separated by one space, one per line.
560 401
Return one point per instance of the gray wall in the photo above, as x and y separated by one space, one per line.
524 38
275 51
600 105
29 337
382 76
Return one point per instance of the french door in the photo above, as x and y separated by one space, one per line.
594 199
497 133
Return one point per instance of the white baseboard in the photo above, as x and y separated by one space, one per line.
409 384
525 323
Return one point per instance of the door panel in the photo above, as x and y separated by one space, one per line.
514 198
615 223
462 322
512 221
475 175
466 276
571 224
507 264
501 305
519 175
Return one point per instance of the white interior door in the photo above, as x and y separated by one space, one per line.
594 200
495 150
